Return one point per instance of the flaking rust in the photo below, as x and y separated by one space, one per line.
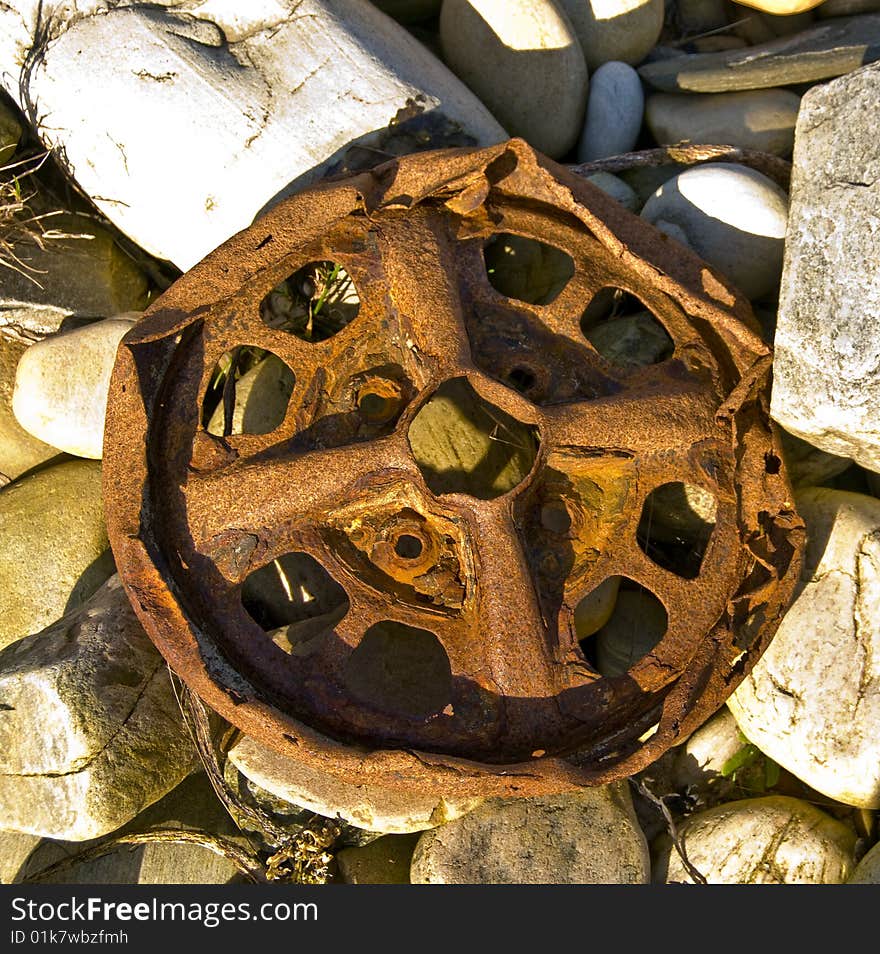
493 580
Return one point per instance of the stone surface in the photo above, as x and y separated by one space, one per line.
54 545
366 806
409 11
730 215
27 322
260 99
826 372
587 837
631 341
85 274
608 30
812 702
384 861
846 8
523 60
62 382
19 451
808 466
770 840
751 119
700 16
90 731
10 133
781 8
755 27
819 53
867 871
614 112
15 849
617 189
192 806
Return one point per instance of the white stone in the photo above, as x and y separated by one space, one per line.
371 807
90 731
770 840
585 837
826 368
762 119
181 128
616 188
615 107
868 869
732 216
522 58
62 383
812 702
608 30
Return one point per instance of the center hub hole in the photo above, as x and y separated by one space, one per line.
408 547
464 444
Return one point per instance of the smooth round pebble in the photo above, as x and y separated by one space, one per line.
781 8
615 107
762 119
770 840
636 626
616 188
868 869
62 383
732 216
812 701
608 30
523 60
587 837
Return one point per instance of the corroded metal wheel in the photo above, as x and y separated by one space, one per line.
452 659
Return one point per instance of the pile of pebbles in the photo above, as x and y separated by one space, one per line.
169 127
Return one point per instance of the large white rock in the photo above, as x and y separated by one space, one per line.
868 869
372 807
812 702
90 731
826 369
730 215
62 383
523 60
770 840
181 127
586 837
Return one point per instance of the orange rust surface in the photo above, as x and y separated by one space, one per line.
191 514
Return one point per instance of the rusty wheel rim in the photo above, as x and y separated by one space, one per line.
494 581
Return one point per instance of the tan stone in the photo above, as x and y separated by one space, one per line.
770 840
54 546
623 30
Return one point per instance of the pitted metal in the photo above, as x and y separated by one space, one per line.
496 580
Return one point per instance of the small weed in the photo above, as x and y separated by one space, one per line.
314 303
751 769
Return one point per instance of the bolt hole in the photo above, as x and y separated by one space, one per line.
408 547
314 303
377 407
555 517
772 463
522 380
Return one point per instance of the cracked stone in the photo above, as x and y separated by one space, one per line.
826 370
585 837
182 126
770 840
54 545
90 731
812 702
371 807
